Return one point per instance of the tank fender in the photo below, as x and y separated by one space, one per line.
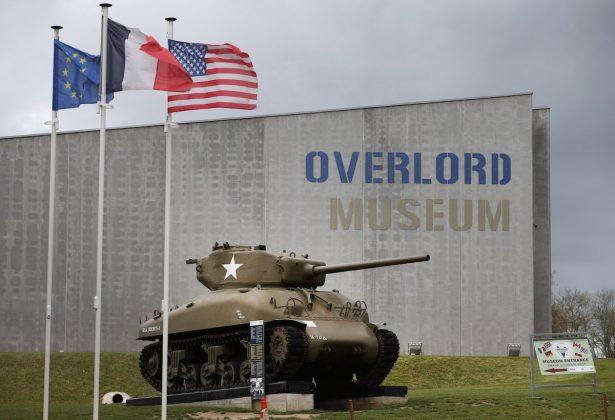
295 322
275 322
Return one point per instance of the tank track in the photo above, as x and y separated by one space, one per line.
388 352
296 356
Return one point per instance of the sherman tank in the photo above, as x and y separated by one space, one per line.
310 334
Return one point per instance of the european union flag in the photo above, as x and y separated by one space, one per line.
76 77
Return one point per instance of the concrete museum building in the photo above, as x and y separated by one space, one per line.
466 181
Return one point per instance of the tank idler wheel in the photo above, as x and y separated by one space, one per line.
153 365
150 365
209 377
189 371
244 372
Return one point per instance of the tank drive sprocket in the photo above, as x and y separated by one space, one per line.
286 349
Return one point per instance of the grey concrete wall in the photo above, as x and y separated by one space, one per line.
23 239
132 258
244 181
542 219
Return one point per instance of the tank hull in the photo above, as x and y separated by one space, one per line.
332 334
329 333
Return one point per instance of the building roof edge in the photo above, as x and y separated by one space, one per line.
244 117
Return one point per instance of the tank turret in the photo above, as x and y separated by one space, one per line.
240 266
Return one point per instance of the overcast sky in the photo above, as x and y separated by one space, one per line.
315 55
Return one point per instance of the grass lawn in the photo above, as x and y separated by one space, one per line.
438 387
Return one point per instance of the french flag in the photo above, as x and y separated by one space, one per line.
136 61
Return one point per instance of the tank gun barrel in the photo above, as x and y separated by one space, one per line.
329 269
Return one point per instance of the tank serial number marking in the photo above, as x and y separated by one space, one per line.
150 329
318 337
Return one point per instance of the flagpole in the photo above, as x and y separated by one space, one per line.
50 240
101 196
167 231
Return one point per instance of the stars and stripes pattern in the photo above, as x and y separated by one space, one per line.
223 76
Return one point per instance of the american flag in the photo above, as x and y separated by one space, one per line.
223 76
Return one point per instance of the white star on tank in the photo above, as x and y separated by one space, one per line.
231 268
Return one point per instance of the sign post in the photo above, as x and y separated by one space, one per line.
561 354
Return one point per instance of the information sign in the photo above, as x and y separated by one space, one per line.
257 361
564 356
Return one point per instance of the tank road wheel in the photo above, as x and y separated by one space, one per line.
209 377
286 352
388 352
244 372
174 382
189 371
228 375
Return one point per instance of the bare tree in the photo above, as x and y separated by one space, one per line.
572 311
558 322
603 314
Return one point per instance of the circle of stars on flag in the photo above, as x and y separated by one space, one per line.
78 62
